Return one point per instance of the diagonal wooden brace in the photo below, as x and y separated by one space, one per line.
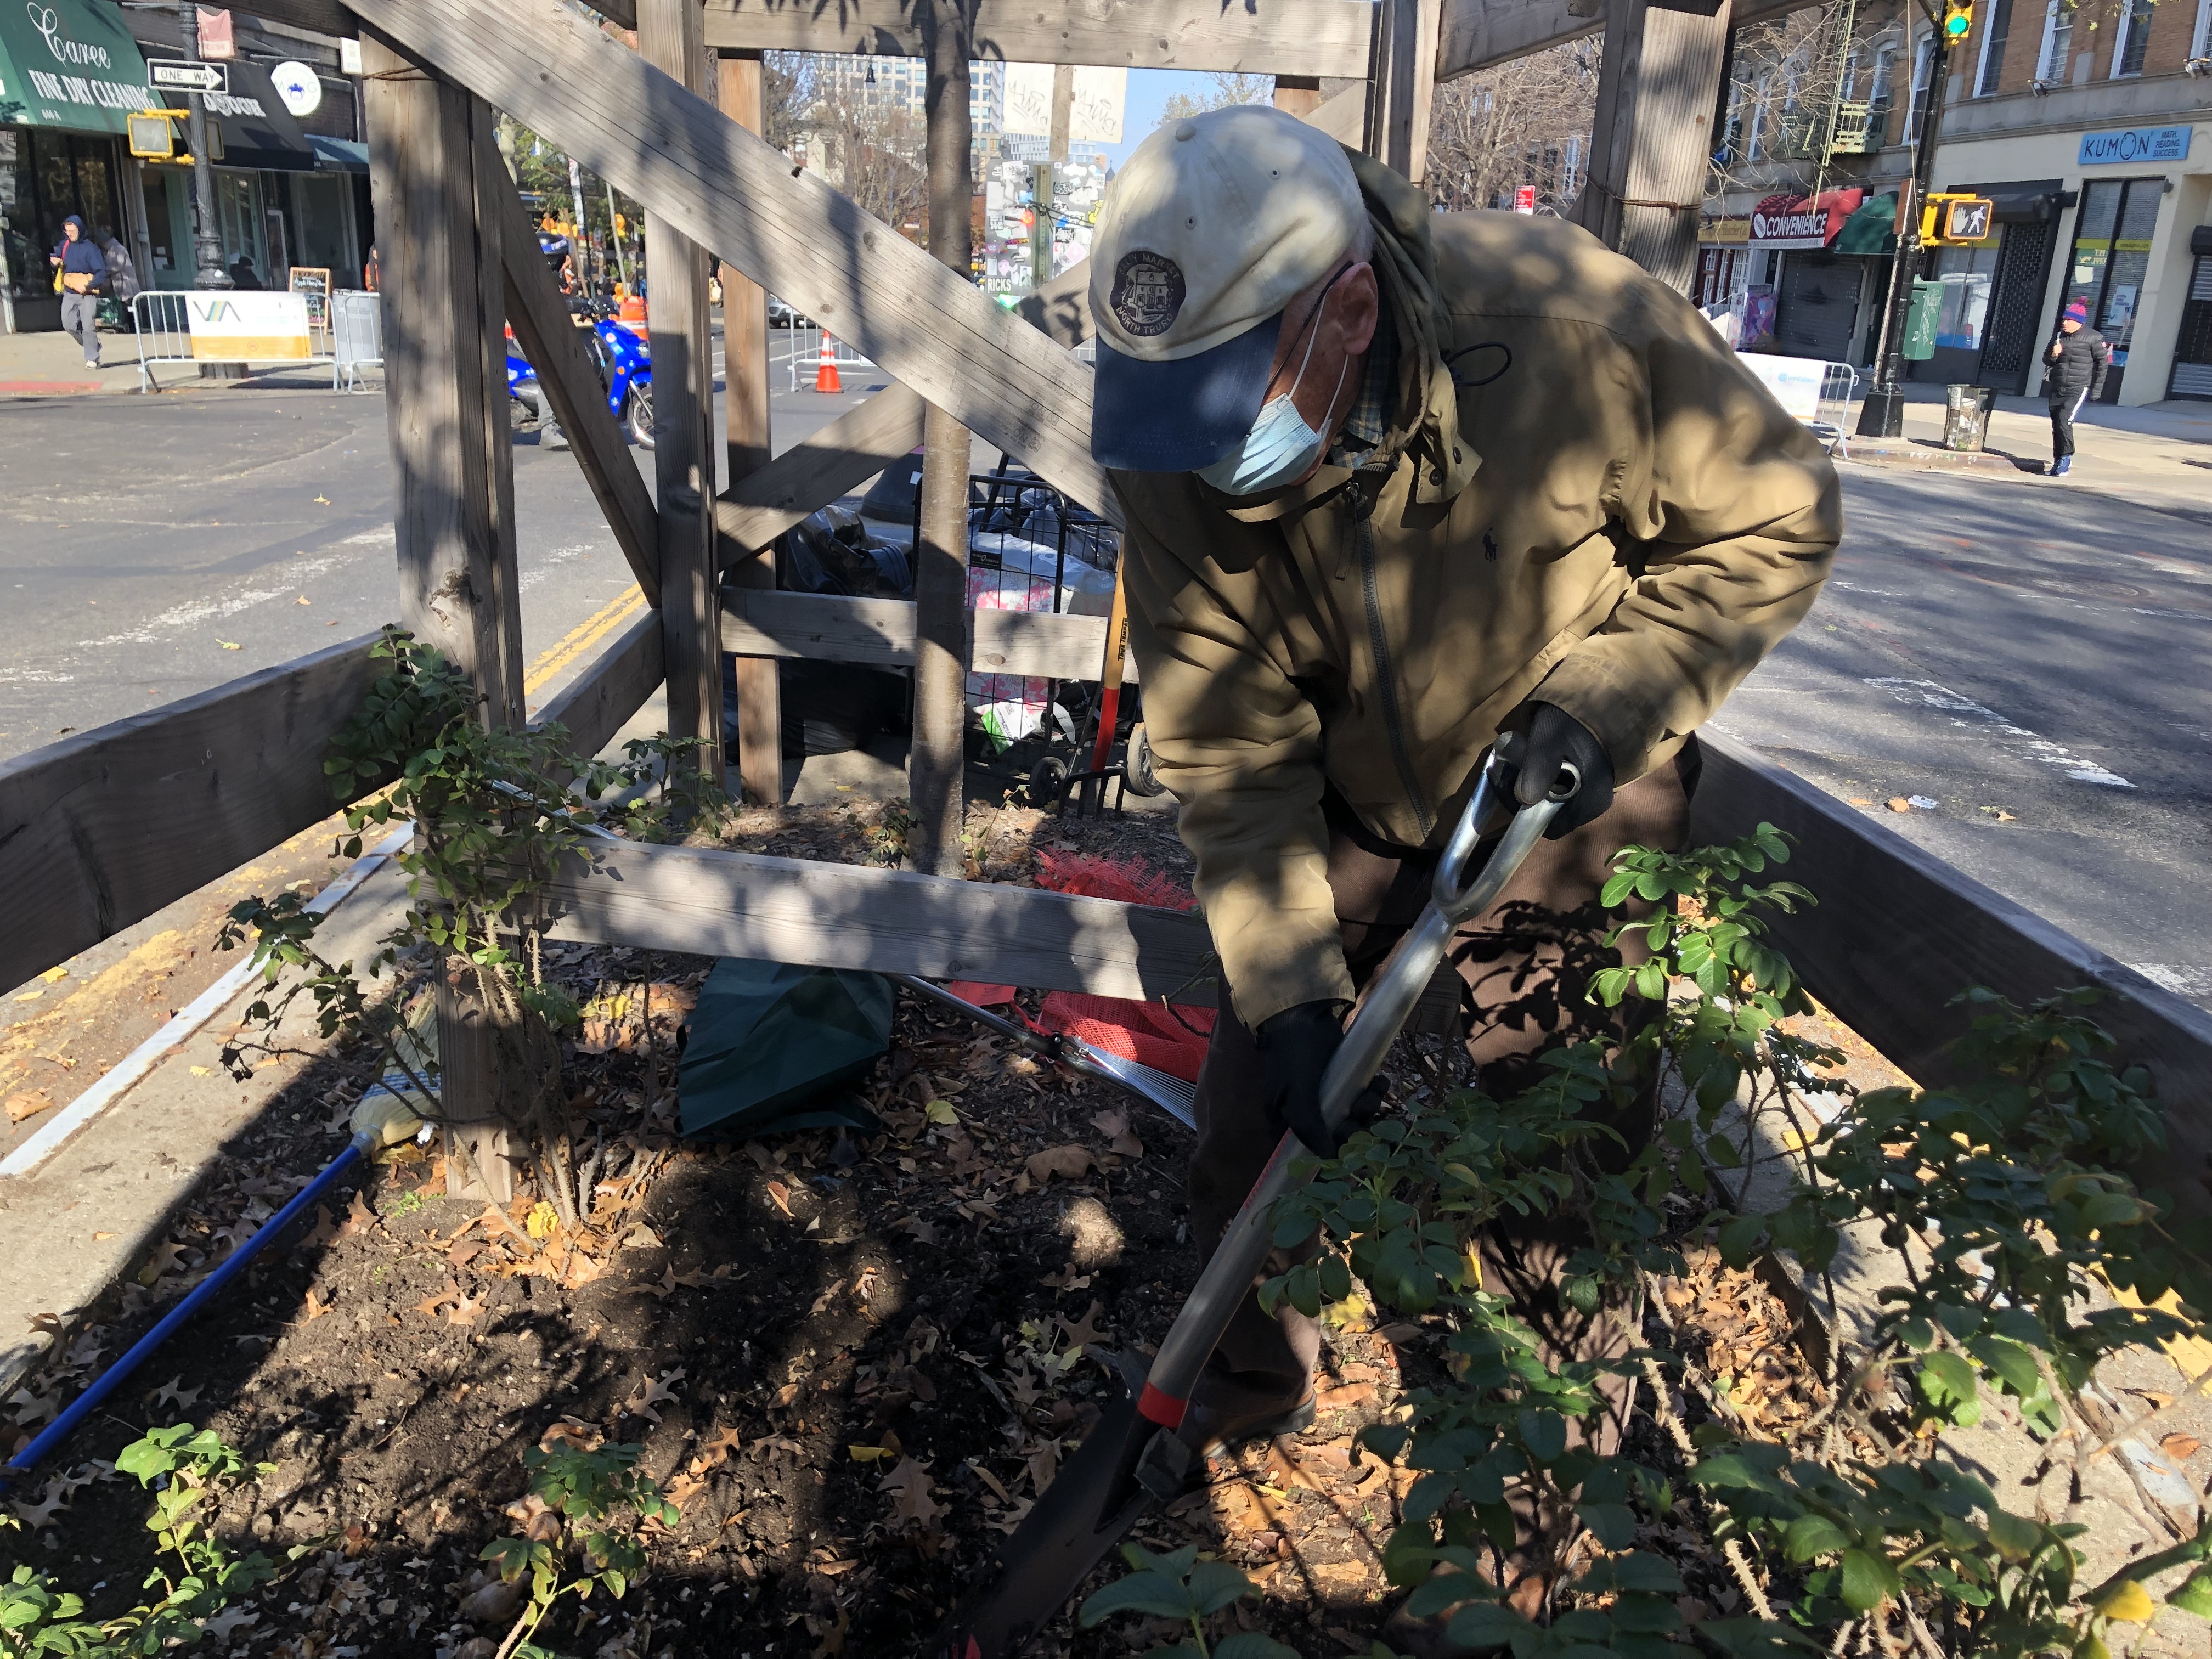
549 340
842 456
724 187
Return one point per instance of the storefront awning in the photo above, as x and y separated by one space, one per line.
339 155
1872 230
69 63
257 130
1788 221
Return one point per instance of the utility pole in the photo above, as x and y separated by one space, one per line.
207 236
1883 414
579 245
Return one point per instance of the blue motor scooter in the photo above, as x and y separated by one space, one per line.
620 352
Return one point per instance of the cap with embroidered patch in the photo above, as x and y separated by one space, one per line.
1211 226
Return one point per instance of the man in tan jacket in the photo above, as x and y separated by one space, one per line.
1396 482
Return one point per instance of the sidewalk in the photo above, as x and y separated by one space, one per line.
52 365
2161 451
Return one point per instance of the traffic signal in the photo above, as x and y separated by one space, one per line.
1958 21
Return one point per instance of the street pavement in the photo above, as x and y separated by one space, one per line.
2032 656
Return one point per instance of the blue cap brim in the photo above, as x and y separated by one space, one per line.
1181 416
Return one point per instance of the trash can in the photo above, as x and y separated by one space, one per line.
1966 417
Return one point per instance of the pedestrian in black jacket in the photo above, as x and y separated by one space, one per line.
2078 356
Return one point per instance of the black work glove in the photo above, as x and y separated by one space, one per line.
1295 1049
1550 735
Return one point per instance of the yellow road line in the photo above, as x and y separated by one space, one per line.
582 638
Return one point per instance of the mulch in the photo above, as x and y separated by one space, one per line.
853 1363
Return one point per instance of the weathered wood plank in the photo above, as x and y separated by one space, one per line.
541 327
758 684
445 367
822 628
839 458
930 327
103 829
1653 133
706 902
616 686
1482 34
1257 37
1899 933
668 36
1404 84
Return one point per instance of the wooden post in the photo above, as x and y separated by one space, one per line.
1404 85
670 36
1653 132
434 167
937 758
745 404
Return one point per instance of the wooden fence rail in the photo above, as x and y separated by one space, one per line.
824 628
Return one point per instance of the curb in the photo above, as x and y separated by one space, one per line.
1939 460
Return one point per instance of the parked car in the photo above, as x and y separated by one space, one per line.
780 315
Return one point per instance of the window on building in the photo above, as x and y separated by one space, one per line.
2200 42
2135 37
1878 86
1997 25
1923 63
2058 43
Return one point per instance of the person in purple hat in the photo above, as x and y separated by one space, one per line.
2077 357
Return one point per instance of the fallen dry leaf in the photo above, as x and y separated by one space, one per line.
573 1432
359 1217
29 1103
823 1300
909 1482
779 1195
718 1450
1068 1162
466 1310
1114 1124
1082 1332
1897 803
1352 1394
316 1306
657 1393
2180 1447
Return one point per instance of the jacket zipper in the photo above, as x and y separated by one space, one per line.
1386 680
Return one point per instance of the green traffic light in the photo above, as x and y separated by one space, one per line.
1958 23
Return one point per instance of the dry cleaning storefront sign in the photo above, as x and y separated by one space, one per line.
67 64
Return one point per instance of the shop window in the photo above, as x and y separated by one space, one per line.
1969 277
2058 43
2112 255
1997 25
2135 37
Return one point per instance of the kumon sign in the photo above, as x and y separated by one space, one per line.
1800 222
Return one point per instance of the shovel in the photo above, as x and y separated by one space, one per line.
1141 1452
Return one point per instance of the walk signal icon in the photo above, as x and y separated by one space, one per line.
1957 218
1958 21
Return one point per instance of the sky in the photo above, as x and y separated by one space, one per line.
1149 92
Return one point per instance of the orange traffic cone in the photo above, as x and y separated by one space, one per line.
825 367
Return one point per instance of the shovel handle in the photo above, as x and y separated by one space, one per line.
1454 898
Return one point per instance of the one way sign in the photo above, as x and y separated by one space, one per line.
189 78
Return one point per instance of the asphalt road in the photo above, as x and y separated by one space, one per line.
151 547
2035 658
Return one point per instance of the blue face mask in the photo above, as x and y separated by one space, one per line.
1280 447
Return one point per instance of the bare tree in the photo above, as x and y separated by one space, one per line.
1525 123
1223 90
874 155
1801 90
790 83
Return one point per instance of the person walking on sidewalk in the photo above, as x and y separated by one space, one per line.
2078 356
83 272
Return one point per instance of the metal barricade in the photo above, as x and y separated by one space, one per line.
164 330
1831 415
356 336
801 356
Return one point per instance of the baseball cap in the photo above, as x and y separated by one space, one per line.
1211 226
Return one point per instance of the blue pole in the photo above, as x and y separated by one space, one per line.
114 1377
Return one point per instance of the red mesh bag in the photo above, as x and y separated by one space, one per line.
1143 1032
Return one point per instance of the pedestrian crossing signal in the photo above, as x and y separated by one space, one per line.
1947 218
1958 21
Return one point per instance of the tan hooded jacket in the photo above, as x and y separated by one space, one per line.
1584 498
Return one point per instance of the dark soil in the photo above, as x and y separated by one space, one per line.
851 1363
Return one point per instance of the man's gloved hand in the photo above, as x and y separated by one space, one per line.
1295 1049
1549 736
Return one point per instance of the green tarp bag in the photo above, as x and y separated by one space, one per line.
768 1041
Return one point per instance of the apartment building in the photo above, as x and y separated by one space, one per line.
2090 126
